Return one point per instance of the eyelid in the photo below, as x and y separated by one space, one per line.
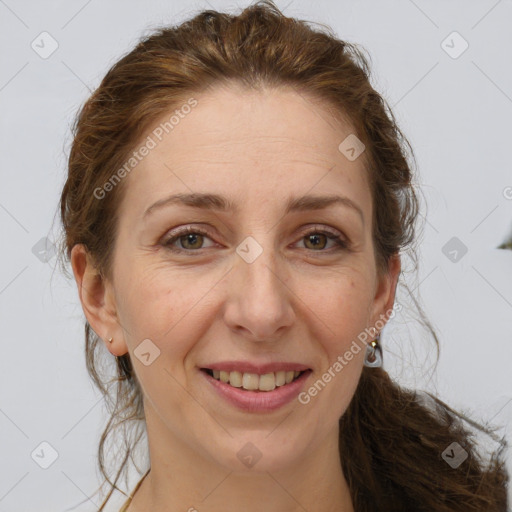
341 241
176 234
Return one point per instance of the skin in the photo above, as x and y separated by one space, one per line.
297 301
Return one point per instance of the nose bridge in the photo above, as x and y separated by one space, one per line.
257 261
259 298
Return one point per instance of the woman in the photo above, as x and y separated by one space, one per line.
237 200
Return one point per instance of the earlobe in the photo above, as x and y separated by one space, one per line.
96 301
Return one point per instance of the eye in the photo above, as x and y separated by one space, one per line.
191 239
189 236
316 236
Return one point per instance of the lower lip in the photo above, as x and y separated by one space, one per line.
258 401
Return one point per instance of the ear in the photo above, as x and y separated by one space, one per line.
385 291
98 301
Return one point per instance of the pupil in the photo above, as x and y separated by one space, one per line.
314 239
189 238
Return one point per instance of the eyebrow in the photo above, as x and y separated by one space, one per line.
220 203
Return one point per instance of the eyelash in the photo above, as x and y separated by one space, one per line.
339 241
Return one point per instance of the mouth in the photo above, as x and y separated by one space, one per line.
253 381
262 392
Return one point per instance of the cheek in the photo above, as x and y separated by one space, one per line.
344 310
155 301
343 305
163 307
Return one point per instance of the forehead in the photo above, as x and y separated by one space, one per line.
256 144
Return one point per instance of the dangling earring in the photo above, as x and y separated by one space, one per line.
373 357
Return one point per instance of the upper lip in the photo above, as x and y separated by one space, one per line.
259 368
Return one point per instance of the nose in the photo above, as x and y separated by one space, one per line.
259 301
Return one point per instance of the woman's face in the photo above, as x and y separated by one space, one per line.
265 284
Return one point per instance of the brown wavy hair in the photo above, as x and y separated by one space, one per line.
390 441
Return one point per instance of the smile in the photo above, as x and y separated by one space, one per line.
262 392
253 381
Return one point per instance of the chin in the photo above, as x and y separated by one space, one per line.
258 454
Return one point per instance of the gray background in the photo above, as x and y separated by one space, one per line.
455 109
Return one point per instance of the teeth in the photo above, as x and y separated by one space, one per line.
235 379
280 378
253 381
267 382
250 381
